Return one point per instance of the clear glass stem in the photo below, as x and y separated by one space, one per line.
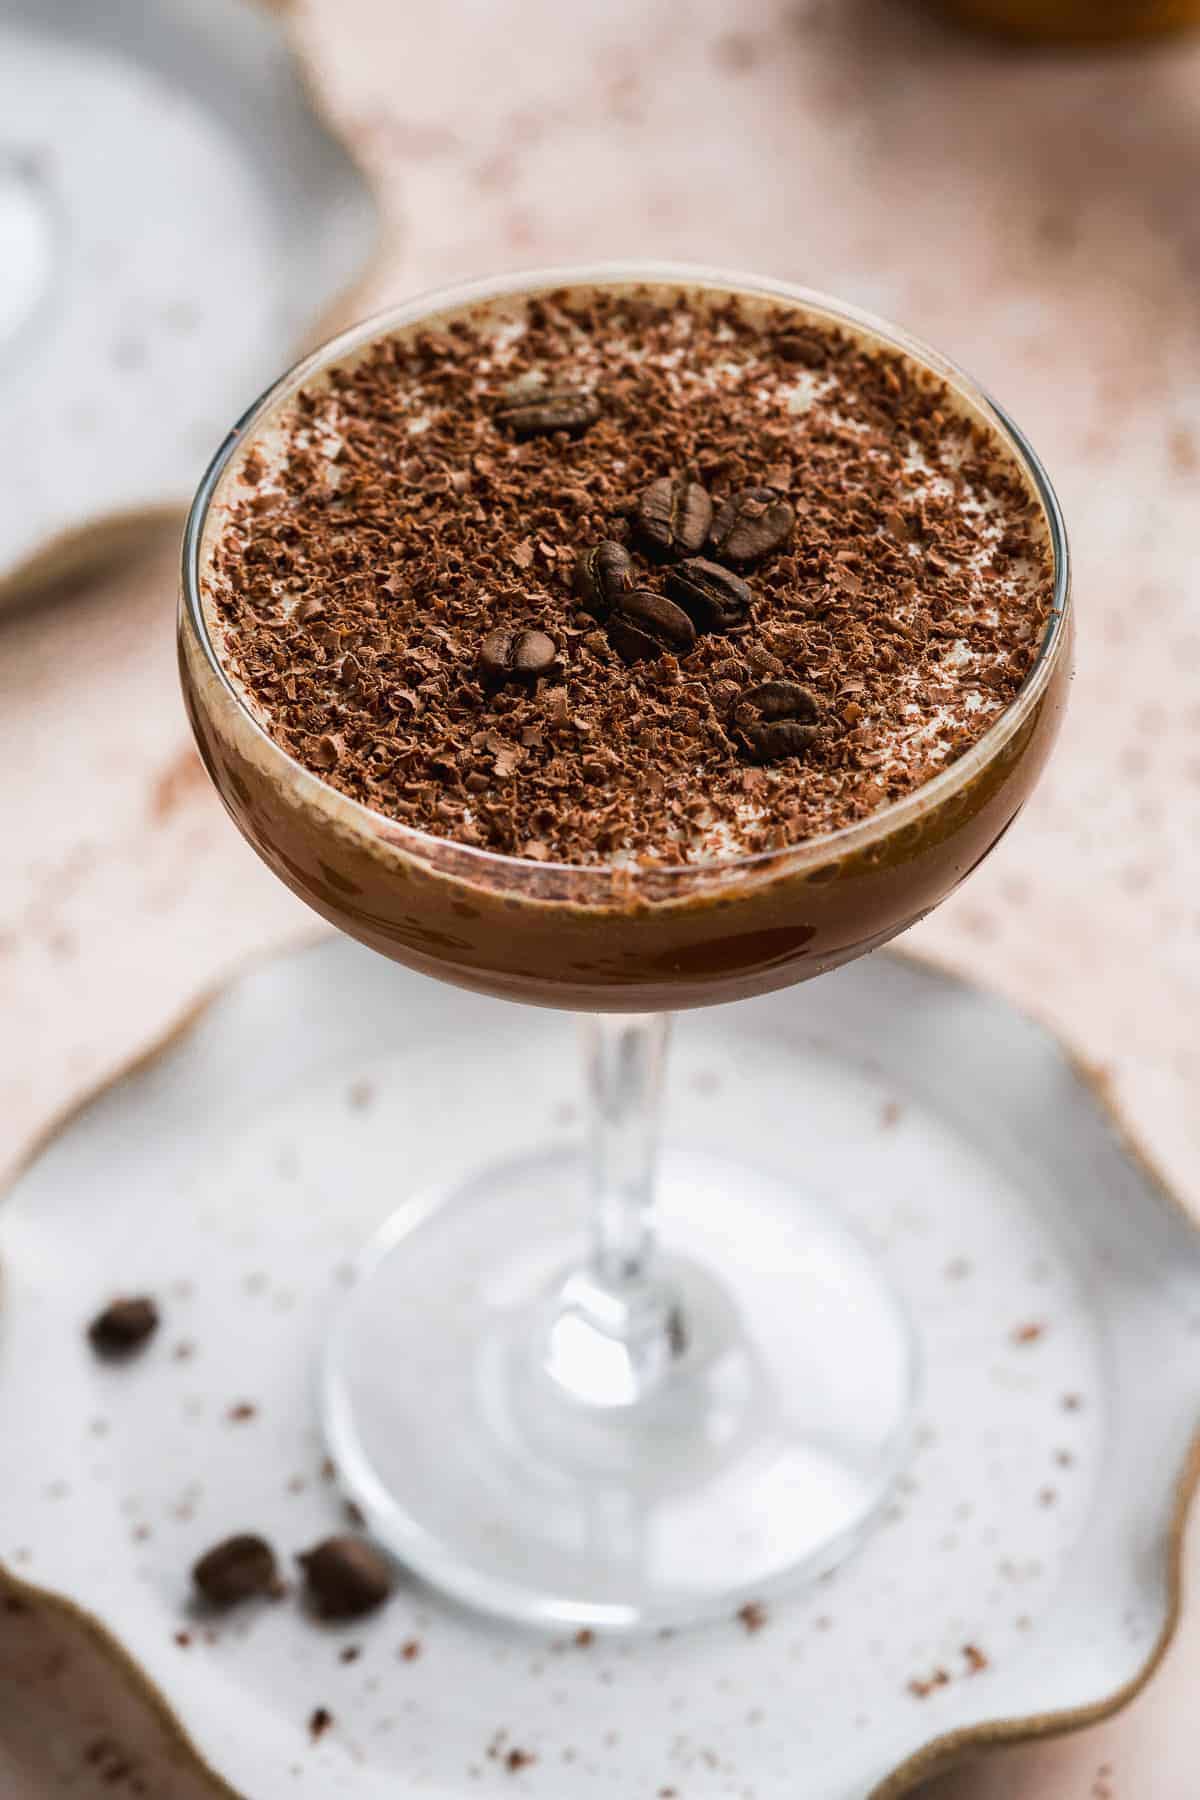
624 1056
618 1325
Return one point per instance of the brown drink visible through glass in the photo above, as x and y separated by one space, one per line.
614 931
618 936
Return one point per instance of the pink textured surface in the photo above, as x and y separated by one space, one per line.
1034 215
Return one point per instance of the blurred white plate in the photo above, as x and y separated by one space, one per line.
175 218
1032 1551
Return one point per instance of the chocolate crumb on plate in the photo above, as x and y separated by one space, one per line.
320 1720
242 1567
124 1326
346 1577
921 1688
753 1616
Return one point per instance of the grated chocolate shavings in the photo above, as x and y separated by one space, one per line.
397 519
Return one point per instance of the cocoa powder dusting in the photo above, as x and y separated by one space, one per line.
400 580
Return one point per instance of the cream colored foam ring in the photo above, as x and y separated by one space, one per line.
174 215
1024 1578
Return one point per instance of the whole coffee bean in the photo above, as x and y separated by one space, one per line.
643 625
715 599
673 516
124 1326
602 573
551 409
510 655
776 719
751 524
238 1568
805 347
346 1577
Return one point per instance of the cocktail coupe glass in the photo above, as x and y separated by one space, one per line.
617 1388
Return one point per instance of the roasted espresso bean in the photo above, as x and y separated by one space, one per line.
552 409
776 719
346 1577
751 524
508 655
123 1327
673 516
602 574
239 1568
805 347
715 599
643 625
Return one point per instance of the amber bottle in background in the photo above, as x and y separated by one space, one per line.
1076 21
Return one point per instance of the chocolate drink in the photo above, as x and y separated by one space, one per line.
619 647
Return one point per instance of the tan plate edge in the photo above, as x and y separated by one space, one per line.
955 1747
941 1753
126 1669
159 1045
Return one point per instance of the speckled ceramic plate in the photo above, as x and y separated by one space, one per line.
175 218
1025 1578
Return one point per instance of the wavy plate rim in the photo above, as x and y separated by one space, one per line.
941 1753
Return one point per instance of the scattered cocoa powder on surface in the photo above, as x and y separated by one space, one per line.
408 511
921 1688
975 1662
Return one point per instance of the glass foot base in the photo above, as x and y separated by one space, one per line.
760 1457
